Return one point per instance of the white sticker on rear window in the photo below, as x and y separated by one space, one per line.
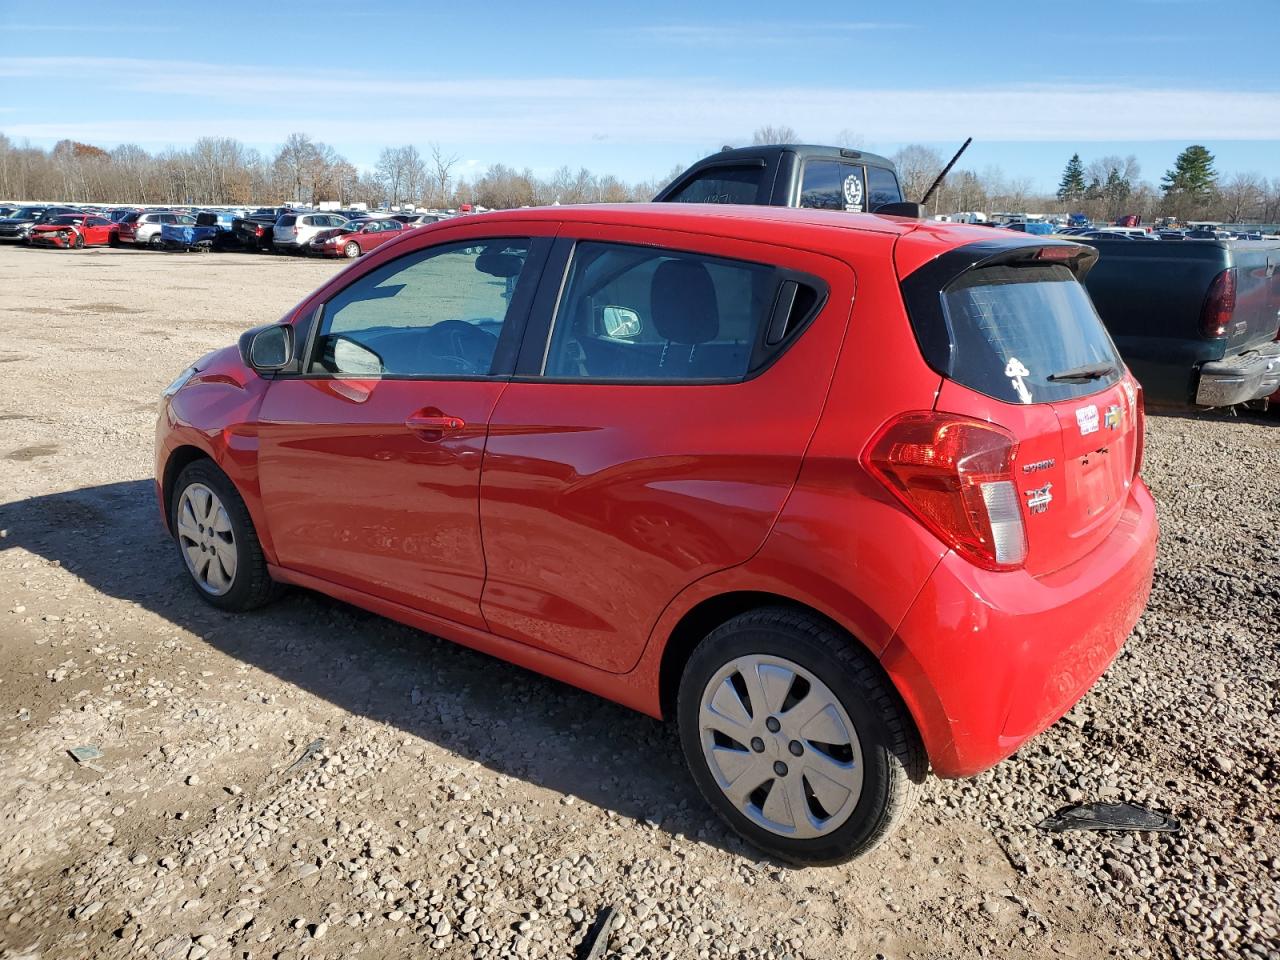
1015 371
1087 418
853 192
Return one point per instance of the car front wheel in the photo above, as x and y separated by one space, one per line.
795 737
217 540
351 250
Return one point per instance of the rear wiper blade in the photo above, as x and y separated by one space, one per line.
1088 371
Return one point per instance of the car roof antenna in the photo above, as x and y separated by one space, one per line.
924 201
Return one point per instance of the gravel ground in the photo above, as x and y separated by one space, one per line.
312 781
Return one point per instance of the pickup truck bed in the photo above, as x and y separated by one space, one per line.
1164 302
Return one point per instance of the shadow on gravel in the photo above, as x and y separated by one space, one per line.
510 720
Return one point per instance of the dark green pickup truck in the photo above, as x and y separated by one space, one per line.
1196 320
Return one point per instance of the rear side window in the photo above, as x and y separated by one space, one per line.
882 187
1012 327
742 184
832 185
651 315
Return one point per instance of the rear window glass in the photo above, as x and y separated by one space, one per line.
832 185
882 187
286 221
723 185
1012 327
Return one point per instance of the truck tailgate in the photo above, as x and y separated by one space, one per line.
1257 315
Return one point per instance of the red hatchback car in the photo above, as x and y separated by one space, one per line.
844 495
71 231
357 238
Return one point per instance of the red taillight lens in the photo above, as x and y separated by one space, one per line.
1140 427
1219 305
956 476
257 231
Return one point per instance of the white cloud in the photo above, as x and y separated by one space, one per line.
262 105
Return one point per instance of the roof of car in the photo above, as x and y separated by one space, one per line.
728 218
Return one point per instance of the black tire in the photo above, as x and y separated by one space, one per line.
155 243
894 762
114 240
251 585
78 242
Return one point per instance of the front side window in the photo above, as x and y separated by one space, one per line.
435 313
645 314
742 184
832 185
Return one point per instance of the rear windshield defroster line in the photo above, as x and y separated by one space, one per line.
1004 324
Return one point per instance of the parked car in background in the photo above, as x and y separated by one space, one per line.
1171 234
72 231
836 538
120 213
1033 227
789 175
356 237
17 227
295 231
1115 235
424 220
255 231
1195 321
201 235
146 228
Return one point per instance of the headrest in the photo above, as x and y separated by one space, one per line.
683 300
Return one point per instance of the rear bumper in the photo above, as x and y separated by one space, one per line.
1244 377
986 660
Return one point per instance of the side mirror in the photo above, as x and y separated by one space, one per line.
271 349
621 323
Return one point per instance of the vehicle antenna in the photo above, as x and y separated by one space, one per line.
945 170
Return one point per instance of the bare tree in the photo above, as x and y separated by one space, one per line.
441 166
1242 197
918 166
852 139
774 133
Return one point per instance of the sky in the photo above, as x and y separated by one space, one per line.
637 89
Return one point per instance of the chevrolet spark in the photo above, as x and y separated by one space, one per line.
845 496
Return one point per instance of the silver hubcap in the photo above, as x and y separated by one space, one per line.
781 746
208 545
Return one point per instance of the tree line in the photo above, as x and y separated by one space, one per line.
223 171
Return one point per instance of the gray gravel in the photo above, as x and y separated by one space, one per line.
459 807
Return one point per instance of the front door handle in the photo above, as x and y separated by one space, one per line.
433 427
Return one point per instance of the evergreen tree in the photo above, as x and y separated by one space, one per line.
1192 175
1072 187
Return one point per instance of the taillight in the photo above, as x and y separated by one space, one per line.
1140 427
1219 305
956 476
257 231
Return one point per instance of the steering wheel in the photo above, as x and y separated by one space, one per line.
458 343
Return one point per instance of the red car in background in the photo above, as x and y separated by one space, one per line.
72 231
843 495
356 238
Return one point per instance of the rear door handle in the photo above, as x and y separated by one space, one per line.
432 427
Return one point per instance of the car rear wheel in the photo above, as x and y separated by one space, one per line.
351 250
217 541
155 243
114 239
795 737
77 242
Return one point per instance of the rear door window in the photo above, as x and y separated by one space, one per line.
832 185
729 184
642 314
1013 327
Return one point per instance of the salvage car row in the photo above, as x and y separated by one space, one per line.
347 234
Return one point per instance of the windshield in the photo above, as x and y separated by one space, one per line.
66 219
27 213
